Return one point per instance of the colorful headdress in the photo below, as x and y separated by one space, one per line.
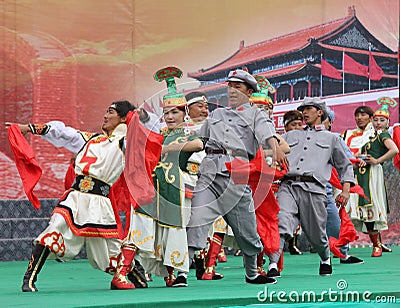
384 110
262 97
173 98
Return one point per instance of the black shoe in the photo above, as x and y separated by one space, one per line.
351 260
199 263
217 276
138 276
273 273
293 249
180 281
325 269
260 279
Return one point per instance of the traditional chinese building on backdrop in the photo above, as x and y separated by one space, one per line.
340 61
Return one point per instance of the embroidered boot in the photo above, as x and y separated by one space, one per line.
211 258
169 280
377 248
39 256
124 266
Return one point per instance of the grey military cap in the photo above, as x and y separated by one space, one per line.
243 76
315 102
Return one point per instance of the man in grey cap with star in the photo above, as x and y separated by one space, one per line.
302 193
236 131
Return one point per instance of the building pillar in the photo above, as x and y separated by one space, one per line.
291 92
309 88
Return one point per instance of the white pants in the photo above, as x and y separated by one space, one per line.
102 253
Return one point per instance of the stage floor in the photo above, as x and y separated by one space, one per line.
76 284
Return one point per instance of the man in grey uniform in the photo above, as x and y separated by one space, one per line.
232 132
302 194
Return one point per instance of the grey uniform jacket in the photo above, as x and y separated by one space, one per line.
313 153
239 131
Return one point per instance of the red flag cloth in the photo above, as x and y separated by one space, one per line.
347 234
143 151
354 160
335 182
259 176
351 66
396 139
256 173
280 263
28 168
267 223
121 202
375 72
329 70
280 171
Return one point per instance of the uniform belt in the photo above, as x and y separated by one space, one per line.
216 152
90 185
228 152
299 178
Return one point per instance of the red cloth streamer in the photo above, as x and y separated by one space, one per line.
267 223
347 234
280 263
69 175
135 185
356 189
396 139
259 176
121 202
28 168
143 151
255 173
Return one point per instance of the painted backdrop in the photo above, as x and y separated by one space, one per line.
68 60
